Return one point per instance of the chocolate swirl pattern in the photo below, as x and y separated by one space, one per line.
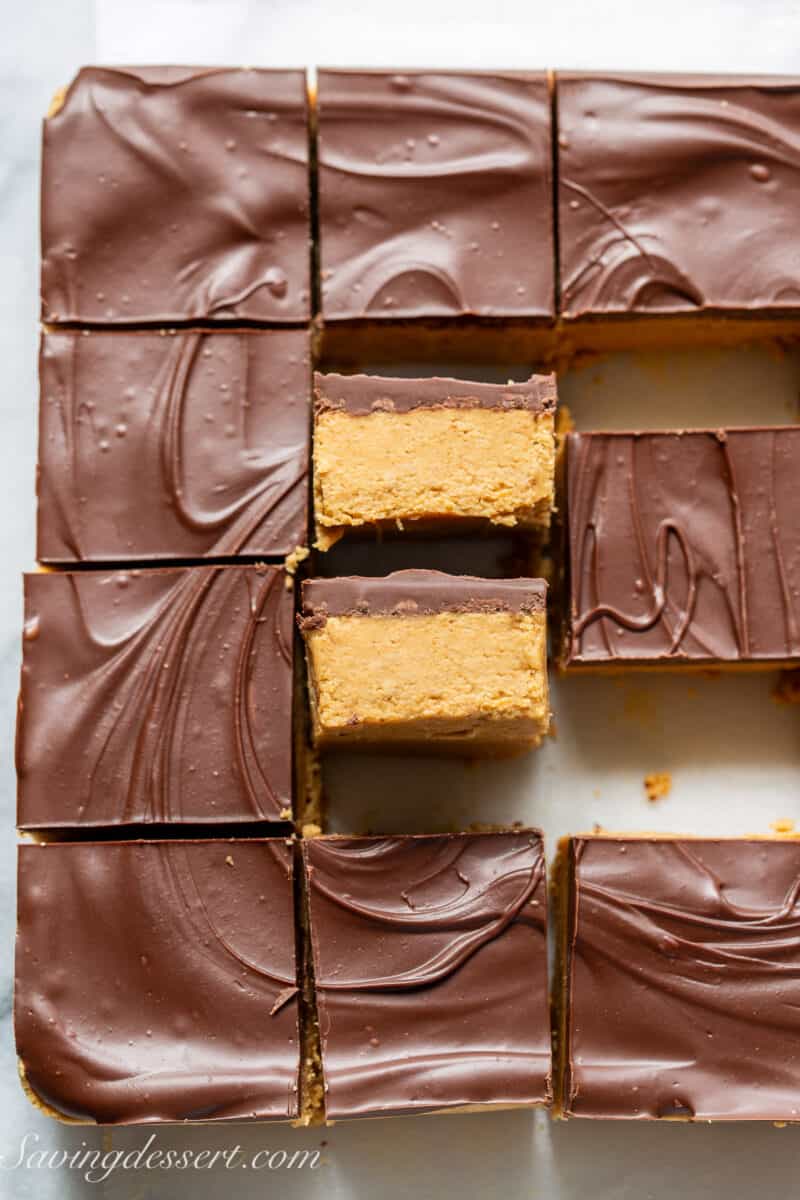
430 968
172 194
207 433
678 194
684 547
435 195
157 696
684 979
156 981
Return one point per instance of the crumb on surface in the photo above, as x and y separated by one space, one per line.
293 560
229 859
657 785
782 825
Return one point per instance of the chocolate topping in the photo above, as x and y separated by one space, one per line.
431 970
364 394
155 696
156 981
180 446
435 195
678 194
172 193
684 546
684 979
415 593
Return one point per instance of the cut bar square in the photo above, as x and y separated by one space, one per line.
677 202
680 988
156 981
176 194
423 660
435 210
430 963
683 549
157 446
156 697
442 455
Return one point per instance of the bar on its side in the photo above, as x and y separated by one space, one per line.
173 445
156 697
156 981
683 549
678 993
438 454
420 659
430 962
677 202
177 194
435 214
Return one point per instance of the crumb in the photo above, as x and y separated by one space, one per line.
311 830
292 562
787 689
286 814
229 859
657 785
57 103
782 825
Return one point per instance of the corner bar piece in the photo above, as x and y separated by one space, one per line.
431 454
436 214
173 445
683 549
430 961
677 202
680 978
156 697
156 981
419 659
176 194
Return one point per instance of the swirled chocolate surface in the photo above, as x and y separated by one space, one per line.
684 979
177 193
684 547
678 194
155 696
156 981
172 447
431 970
435 195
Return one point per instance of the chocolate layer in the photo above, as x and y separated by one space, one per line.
177 193
411 593
684 979
155 696
678 194
435 195
431 970
684 547
156 981
173 447
363 394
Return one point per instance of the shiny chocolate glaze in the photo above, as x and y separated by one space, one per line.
431 970
435 195
156 981
172 447
684 547
177 193
683 979
155 696
678 194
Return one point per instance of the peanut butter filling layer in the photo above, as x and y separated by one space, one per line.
432 465
444 681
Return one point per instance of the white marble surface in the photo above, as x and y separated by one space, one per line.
734 754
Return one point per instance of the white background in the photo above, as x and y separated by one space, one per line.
733 752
